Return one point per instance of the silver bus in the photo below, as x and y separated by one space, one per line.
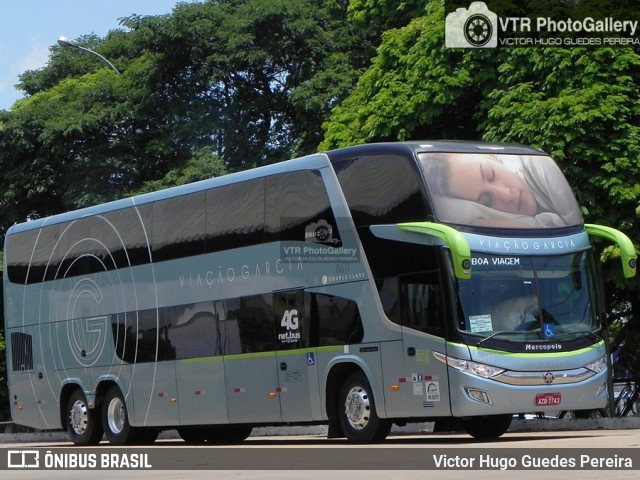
356 288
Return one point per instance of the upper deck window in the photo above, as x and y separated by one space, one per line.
381 189
511 191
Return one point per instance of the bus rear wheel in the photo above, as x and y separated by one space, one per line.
115 421
231 434
221 435
486 428
83 423
357 412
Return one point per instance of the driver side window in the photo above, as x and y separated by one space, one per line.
414 300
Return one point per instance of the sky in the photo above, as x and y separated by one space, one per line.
29 27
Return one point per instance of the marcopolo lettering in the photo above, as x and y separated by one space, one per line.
543 347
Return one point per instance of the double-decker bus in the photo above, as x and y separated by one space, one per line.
357 288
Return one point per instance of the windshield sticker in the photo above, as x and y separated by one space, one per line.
480 323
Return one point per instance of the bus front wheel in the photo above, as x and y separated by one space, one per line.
358 417
486 428
83 423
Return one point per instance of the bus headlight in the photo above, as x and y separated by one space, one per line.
474 368
598 366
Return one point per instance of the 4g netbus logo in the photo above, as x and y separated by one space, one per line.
291 323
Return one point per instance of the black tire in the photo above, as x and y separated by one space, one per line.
221 435
193 435
228 434
83 423
485 428
115 419
146 436
358 418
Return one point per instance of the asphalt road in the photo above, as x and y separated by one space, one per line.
525 455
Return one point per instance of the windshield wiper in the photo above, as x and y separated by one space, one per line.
502 332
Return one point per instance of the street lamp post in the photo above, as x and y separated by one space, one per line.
67 43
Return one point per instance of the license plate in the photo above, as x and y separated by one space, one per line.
543 399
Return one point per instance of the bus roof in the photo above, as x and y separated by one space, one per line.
314 161
436 146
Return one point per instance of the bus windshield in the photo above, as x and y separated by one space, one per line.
497 190
528 297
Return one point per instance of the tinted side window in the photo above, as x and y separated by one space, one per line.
18 251
46 255
297 204
421 302
126 234
178 227
183 331
247 324
235 215
381 189
252 324
192 330
152 332
79 249
338 319
125 335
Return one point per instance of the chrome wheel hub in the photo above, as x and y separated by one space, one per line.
79 417
358 408
116 415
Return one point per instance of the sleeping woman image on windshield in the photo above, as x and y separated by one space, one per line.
500 190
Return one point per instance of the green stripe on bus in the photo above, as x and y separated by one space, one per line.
281 353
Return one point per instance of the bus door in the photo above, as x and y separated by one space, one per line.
422 318
296 362
250 367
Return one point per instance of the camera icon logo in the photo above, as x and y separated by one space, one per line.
319 232
473 27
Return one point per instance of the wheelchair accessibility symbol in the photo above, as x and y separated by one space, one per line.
311 358
549 330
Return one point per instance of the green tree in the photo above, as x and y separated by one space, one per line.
204 164
254 78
